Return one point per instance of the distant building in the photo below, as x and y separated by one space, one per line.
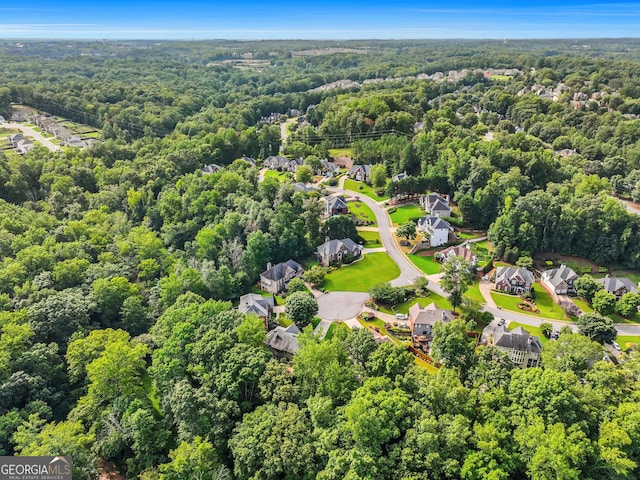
209 169
361 173
617 285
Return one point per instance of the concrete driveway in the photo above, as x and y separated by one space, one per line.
341 305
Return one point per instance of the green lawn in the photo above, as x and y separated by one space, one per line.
474 294
281 176
354 186
423 301
283 320
627 341
587 308
467 236
405 213
427 264
362 212
333 328
382 327
361 275
429 368
582 304
371 239
532 330
548 308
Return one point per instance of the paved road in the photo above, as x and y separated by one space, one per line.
29 131
341 305
630 206
408 272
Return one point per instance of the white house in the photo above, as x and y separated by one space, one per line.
437 229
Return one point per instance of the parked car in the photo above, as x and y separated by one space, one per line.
501 322
401 316
616 346
554 335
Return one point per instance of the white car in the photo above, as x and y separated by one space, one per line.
616 346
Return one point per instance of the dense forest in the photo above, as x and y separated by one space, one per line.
120 345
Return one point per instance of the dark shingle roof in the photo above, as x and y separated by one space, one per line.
279 271
612 284
284 340
507 273
558 275
518 339
333 246
434 223
254 303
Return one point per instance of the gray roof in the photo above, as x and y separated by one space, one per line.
613 284
459 251
517 339
327 165
283 339
302 187
365 168
558 275
429 315
208 169
254 303
276 161
335 202
249 159
439 204
508 273
333 246
433 198
433 223
279 271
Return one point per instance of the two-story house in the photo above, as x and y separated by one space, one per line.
436 228
559 280
523 348
333 252
436 204
361 173
513 280
462 251
335 205
617 285
252 303
275 278
283 342
421 322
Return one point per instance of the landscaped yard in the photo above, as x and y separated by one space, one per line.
371 239
361 275
405 213
281 176
427 264
423 301
474 294
586 308
532 330
340 152
582 304
366 190
627 341
548 308
467 235
362 212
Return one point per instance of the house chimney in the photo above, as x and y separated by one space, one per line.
268 265
529 340
327 239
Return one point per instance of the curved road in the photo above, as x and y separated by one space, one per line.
32 133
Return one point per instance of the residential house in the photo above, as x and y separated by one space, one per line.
422 320
24 145
617 285
74 141
328 169
559 280
437 229
283 342
463 251
294 164
256 304
399 176
252 161
302 187
334 251
14 139
275 278
209 169
436 204
523 348
276 163
513 280
361 173
335 205
20 116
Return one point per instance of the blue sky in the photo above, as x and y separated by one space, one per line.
286 19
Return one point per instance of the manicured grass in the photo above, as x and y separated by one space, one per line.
361 275
467 236
382 327
627 341
371 239
548 308
281 176
314 322
405 213
474 294
532 330
423 301
283 320
362 212
429 368
333 328
427 264
354 186
582 304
